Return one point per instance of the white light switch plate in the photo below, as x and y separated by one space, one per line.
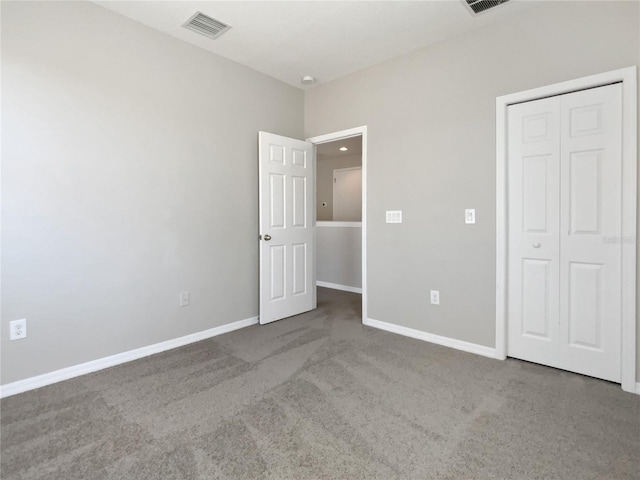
470 215
394 216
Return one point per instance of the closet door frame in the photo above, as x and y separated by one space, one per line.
627 76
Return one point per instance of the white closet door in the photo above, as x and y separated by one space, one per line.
534 222
591 223
564 231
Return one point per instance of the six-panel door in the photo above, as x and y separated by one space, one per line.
564 229
287 253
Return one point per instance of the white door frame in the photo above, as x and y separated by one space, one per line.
331 137
629 206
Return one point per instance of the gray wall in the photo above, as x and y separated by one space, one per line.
339 255
124 148
431 152
324 181
129 174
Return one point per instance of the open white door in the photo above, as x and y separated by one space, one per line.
287 235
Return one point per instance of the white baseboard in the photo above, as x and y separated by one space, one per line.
106 362
637 388
336 286
430 337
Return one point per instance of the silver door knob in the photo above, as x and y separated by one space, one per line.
536 245
267 237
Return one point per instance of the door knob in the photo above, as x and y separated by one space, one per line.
267 238
536 245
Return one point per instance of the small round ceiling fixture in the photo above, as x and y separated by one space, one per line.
343 149
308 80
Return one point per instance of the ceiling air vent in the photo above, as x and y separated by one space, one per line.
205 25
478 6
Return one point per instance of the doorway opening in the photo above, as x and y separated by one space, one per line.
339 180
341 165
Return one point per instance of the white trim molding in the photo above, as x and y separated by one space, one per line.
339 224
346 169
431 338
627 76
336 286
120 358
330 137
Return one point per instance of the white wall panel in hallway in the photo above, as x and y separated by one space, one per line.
347 194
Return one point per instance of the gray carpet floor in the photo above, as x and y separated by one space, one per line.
320 396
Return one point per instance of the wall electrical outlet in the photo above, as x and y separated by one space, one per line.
184 299
18 329
435 297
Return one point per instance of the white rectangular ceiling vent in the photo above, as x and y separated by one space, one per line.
478 6
205 25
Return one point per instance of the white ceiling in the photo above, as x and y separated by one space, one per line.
325 39
332 149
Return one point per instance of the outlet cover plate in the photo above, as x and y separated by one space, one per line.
184 299
435 297
18 329
470 215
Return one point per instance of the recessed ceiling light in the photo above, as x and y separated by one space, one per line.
308 80
343 149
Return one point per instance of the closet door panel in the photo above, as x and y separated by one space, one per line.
590 234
